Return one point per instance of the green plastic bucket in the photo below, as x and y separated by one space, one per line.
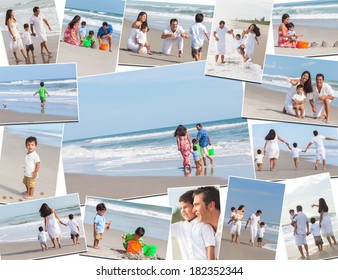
86 43
211 151
149 250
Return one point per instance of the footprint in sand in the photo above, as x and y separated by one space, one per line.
42 193
11 197
4 197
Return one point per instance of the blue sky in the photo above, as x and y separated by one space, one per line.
301 134
254 195
38 72
153 98
111 6
294 66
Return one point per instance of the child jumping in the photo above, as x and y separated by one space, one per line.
42 91
198 33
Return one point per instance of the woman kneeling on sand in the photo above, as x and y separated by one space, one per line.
71 35
135 30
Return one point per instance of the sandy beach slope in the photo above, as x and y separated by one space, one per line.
52 43
311 34
243 251
11 169
265 104
157 59
112 248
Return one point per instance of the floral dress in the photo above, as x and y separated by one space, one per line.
185 149
70 35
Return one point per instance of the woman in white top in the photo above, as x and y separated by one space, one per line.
15 42
135 29
272 139
325 221
304 80
251 36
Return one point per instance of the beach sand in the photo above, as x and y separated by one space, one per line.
32 250
286 169
243 251
127 57
13 117
11 169
118 187
52 43
311 34
112 248
89 61
266 104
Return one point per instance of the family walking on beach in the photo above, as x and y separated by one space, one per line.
320 95
76 34
34 28
173 34
301 227
199 234
271 148
199 147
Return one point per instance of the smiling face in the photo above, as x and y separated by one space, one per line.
173 26
319 81
187 211
251 27
200 209
286 20
305 77
31 147
143 18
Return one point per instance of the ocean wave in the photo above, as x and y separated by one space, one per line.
332 16
270 246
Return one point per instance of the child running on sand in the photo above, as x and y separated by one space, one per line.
32 167
100 224
142 39
137 236
259 160
295 154
315 230
298 101
74 229
42 237
260 234
198 33
42 91
28 40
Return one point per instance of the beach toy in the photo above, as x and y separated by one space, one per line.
103 47
134 247
302 45
86 43
149 250
211 151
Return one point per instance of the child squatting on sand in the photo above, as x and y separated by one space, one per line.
100 224
135 237
32 167
42 237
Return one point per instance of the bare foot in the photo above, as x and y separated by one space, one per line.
17 60
316 167
49 53
28 197
179 53
96 247
24 193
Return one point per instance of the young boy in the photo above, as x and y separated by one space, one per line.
42 91
99 224
315 230
32 167
74 229
137 236
298 100
239 46
259 160
91 38
292 216
28 40
219 35
196 239
142 39
197 158
232 216
295 154
198 32
260 234
83 31
291 31
42 237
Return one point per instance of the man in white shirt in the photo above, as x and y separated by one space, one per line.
320 98
174 33
302 228
317 140
254 221
37 22
219 35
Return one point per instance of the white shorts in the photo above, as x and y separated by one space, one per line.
321 155
319 108
204 151
300 239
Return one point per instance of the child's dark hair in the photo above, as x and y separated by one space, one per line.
221 22
194 140
42 84
259 212
40 228
144 25
289 25
313 220
140 231
71 216
105 23
300 86
187 197
101 207
91 32
291 210
83 23
233 208
262 224
294 145
25 25
238 35
259 152
315 132
194 148
199 17
31 139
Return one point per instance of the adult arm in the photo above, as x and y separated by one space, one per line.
57 217
211 253
293 81
330 138
321 218
45 220
324 97
257 40
189 141
46 22
215 36
209 140
266 143
282 28
247 222
282 140
10 30
32 29
178 143
304 151
166 35
313 107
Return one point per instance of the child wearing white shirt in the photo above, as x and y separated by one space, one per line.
259 160
142 39
260 234
42 237
315 230
298 101
27 39
198 33
295 154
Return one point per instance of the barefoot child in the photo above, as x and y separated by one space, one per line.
298 101
295 154
32 167
42 237
42 91
259 160
315 230
198 33
142 39
291 31
74 229
99 224
197 158
91 38
28 40
83 31
137 236
260 234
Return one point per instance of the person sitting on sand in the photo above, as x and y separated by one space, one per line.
321 98
71 35
283 36
253 223
219 35
106 33
174 33
298 101
42 237
317 140
135 29
100 224
260 234
91 39
302 228
196 239
137 236
142 39
291 31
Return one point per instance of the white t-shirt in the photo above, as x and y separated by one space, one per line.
38 22
260 232
315 230
142 37
318 142
197 32
27 39
254 220
238 43
220 33
30 163
326 91
301 221
193 237
298 97
295 152
179 31
259 158
42 236
73 226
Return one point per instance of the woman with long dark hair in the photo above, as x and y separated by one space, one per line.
135 29
272 139
251 36
325 221
71 35
183 145
283 36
